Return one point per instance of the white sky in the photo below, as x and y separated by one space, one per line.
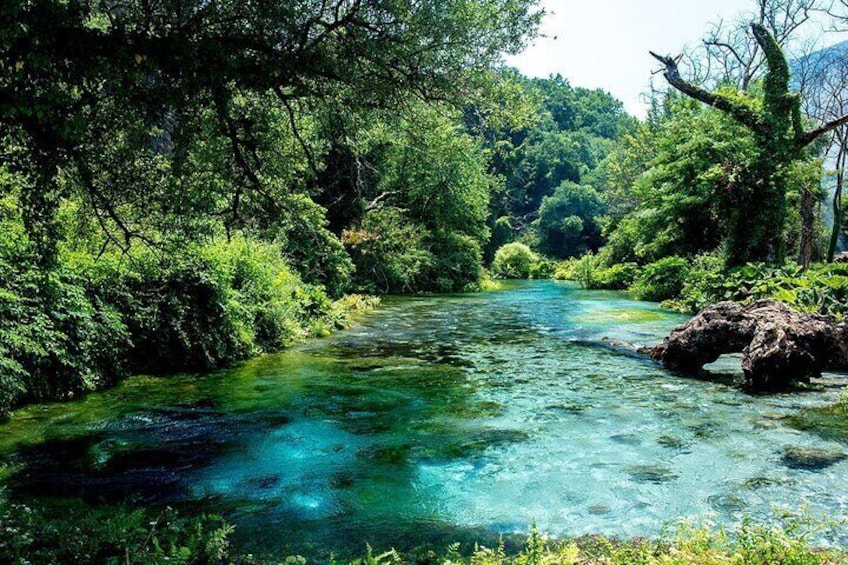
604 43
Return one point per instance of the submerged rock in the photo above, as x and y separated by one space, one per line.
780 346
811 459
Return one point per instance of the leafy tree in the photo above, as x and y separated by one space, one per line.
145 69
756 229
514 261
567 223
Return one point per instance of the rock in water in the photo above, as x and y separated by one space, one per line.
810 458
780 345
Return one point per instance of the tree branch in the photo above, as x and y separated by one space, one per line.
739 111
807 138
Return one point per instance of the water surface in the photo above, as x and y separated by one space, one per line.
437 419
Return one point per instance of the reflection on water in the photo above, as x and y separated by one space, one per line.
439 418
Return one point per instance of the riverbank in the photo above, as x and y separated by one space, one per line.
96 321
144 538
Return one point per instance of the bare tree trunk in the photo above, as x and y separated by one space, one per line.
838 212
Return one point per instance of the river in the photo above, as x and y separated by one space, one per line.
438 418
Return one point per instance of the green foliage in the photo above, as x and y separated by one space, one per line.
661 280
389 252
457 264
567 223
705 276
502 233
514 261
39 536
125 536
787 540
206 307
617 277
565 270
56 338
590 271
584 270
543 269
574 131
822 288
94 320
684 197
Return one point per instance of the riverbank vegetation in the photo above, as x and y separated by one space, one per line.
189 186
141 537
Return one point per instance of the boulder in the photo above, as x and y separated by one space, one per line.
780 345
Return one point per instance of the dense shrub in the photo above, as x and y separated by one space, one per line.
38 536
207 306
590 271
543 269
564 270
56 338
661 280
91 321
502 233
514 261
617 277
567 223
389 252
822 288
456 265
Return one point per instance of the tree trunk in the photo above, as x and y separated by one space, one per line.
808 227
838 212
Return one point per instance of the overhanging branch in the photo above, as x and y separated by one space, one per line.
738 110
807 138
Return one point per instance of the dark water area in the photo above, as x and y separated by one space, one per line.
439 419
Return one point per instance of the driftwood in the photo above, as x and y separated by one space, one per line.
781 346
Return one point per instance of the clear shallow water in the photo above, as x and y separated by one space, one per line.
437 419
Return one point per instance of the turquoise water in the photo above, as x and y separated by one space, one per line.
438 419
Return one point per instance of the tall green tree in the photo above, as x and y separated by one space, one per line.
78 72
758 220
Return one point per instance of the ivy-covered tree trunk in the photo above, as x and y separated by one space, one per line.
755 230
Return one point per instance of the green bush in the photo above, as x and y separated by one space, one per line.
90 321
822 288
585 270
57 339
661 280
564 270
617 277
456 266
38 536
514 261
389 252
207 306
703 284
543 269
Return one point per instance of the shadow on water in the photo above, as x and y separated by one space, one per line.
438 419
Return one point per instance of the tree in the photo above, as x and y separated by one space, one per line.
731 54
567 223
756 231
79 73
823 77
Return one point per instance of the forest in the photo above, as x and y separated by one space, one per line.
190 187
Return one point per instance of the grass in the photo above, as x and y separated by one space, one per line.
135 536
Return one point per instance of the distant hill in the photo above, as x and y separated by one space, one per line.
817 61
